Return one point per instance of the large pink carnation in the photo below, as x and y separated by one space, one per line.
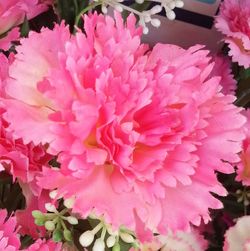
234 22
8 236
137 132
13 12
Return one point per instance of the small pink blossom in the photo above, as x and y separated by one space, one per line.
8 236
137 132
238 236
234 22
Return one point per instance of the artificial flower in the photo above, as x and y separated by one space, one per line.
183 241
136 132
178 241
233 22
13 13
24 162
238 237
8 237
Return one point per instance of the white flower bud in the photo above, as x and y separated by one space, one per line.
156 9
128 238
72 220
50 208
53 194
155 22
246 203
238 191
86 238
111 241
50 225
139 1
179 4
111 231
104 9
99 245
171 5
69 203
170 15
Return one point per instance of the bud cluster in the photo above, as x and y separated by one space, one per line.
108 237
145 16
57 223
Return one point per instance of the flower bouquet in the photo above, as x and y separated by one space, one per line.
109 143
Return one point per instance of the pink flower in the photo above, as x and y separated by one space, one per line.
234 22
8 236
238 236
183 241
244 165
24 162
13 12
43 245
222 68
137 132
179 241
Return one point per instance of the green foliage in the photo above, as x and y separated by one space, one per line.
24 30
68 10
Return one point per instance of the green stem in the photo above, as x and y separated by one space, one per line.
63 225
76 6
97 228
64 211
103 233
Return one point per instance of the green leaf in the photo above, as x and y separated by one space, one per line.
25 28
124 246
66 10
246 73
